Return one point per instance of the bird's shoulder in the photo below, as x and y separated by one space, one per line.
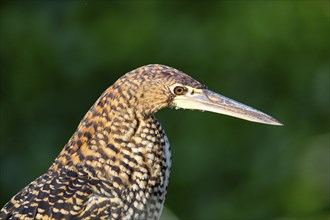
57 194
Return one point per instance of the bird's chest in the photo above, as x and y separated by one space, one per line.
138 174
150 177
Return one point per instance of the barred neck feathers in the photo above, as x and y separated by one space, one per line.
123 111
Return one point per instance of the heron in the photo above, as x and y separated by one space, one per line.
117 163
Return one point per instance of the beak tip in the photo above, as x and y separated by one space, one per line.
278 123
273 121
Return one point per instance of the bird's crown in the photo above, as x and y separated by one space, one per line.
152 87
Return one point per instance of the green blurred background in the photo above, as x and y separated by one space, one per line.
58 57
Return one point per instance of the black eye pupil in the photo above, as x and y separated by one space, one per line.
178 90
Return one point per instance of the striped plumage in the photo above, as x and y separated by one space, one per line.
117 163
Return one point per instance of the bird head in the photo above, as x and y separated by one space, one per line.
152 87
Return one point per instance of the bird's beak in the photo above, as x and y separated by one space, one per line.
206 100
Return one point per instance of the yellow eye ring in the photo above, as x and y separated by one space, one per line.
179 90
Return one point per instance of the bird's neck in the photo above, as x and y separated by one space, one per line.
110 132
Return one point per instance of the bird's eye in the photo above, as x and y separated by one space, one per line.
179 90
